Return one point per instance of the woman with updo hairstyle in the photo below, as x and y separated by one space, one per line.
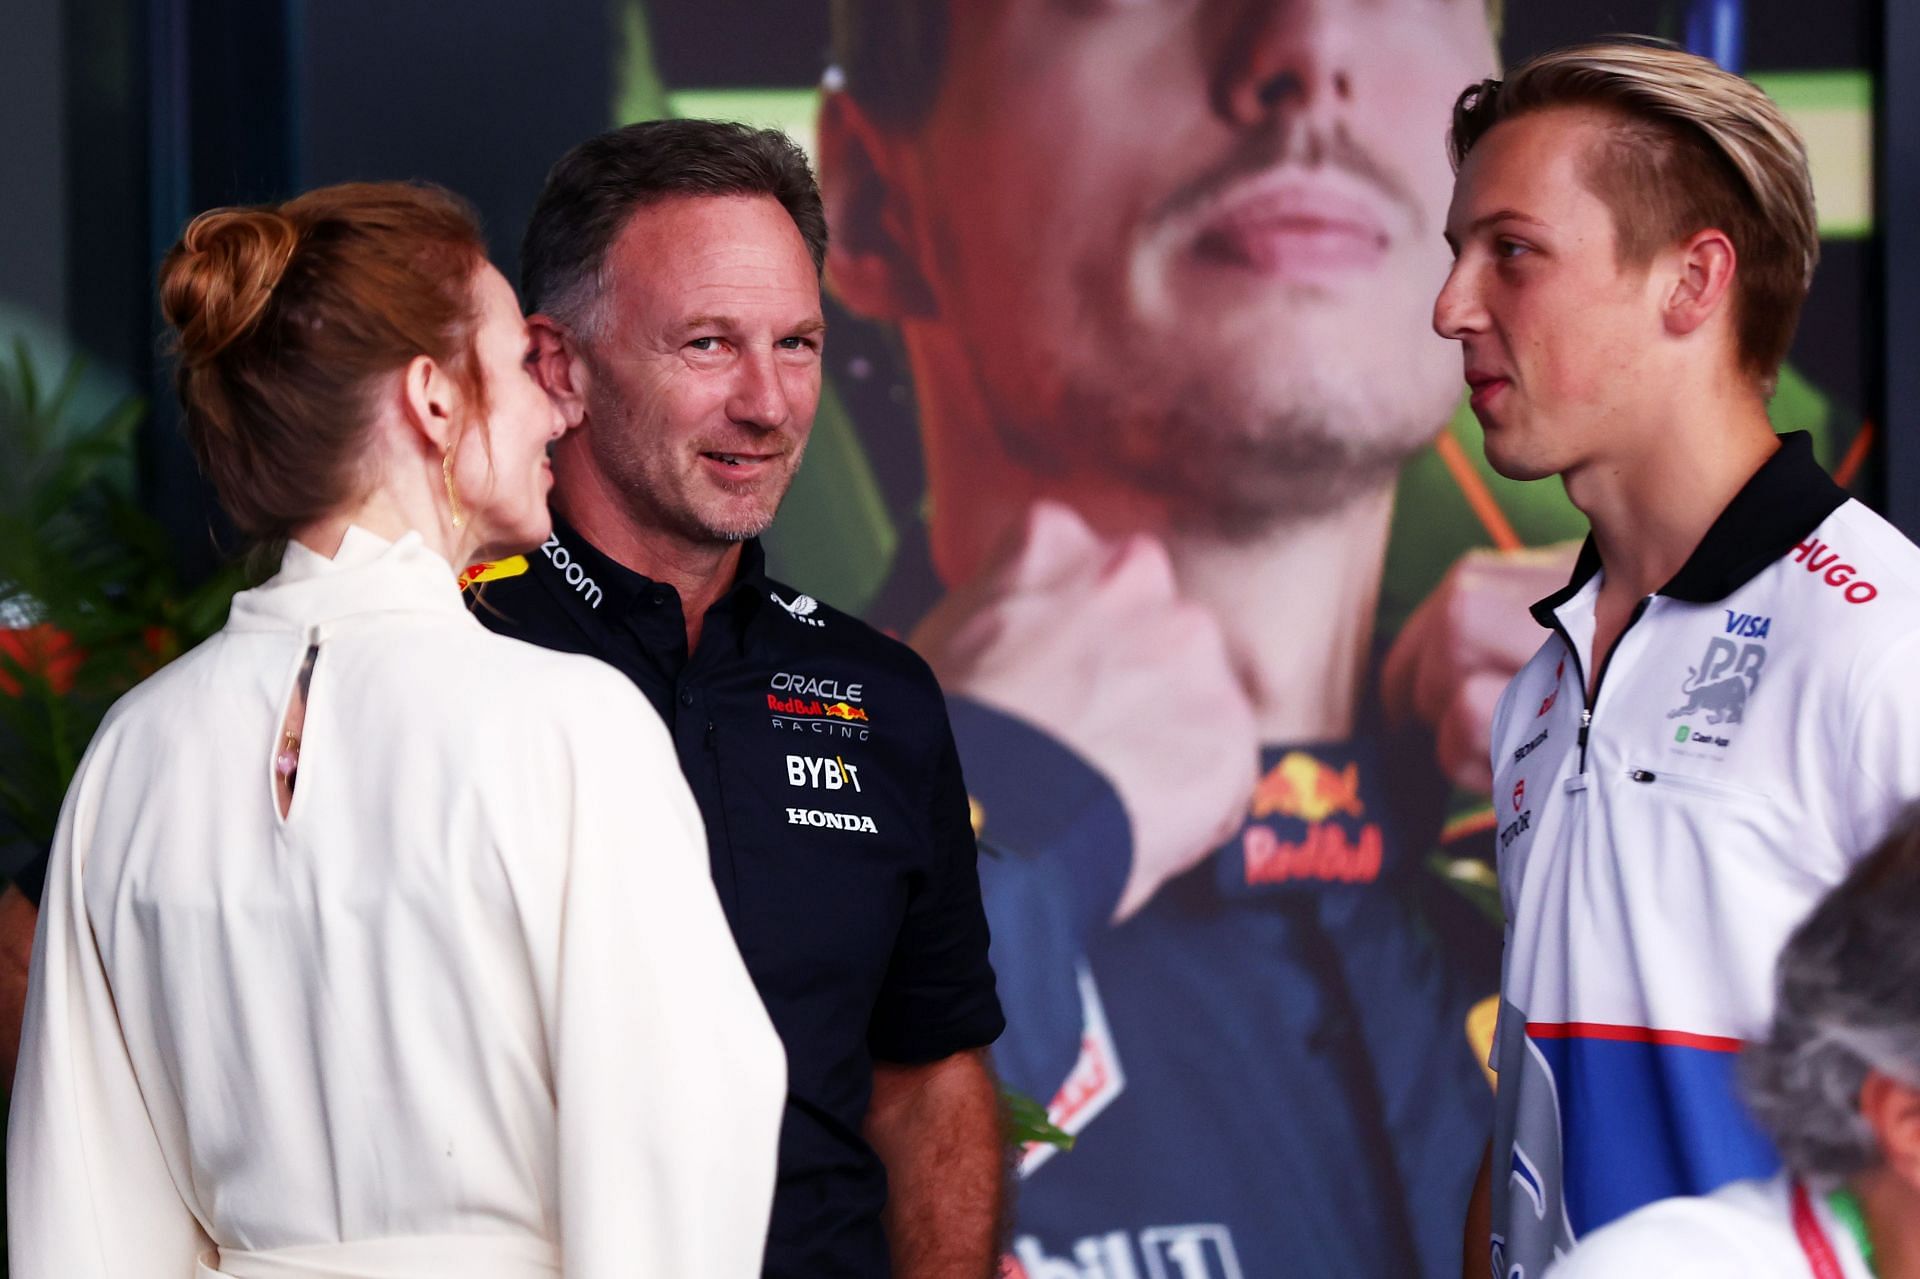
375 944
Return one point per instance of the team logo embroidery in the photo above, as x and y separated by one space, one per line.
1308 824
838 718
570 569
486 571
1546 703
1819 558
1727 676
831 821
831 690
816 772
801 608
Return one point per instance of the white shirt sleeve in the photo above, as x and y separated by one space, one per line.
89 1193
1883 747
1686 1238
670 1081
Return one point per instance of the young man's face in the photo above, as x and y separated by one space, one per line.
1553 329
705 371
1190 243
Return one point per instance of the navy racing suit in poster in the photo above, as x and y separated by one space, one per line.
1268 1068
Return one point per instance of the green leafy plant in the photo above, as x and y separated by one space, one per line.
1027 1122
90 599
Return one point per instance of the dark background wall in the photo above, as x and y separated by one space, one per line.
484 105
125 116
33 224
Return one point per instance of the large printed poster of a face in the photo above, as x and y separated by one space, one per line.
1139 431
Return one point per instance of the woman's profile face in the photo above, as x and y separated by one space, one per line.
501 473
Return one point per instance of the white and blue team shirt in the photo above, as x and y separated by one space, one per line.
1774 1229
1751 735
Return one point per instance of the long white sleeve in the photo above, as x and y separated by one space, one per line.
670 1078
89 1194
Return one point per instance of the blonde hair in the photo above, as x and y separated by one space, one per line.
1693 147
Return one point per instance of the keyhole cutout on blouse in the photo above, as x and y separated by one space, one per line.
286 755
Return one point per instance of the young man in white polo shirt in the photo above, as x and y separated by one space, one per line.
1836 1082
1726 712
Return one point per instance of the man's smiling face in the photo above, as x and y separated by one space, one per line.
705 372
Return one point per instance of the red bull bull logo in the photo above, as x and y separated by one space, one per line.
813 708
492 570
1303 787
1327 854
1546 703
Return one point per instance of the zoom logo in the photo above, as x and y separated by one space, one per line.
562 559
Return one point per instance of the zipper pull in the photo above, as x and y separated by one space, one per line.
1586 722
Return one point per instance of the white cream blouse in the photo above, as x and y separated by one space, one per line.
470 1009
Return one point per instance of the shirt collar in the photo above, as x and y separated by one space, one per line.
367 574
1784 501
622 587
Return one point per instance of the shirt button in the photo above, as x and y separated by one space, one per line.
656 597
686 697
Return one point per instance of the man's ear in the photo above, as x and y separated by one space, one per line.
1892 1110
1704 264
558 368
872 265
430 402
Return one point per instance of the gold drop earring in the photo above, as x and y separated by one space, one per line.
453 498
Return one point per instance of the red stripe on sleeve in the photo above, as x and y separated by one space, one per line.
1632 1035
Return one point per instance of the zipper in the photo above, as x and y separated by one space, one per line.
1707 786
1586 706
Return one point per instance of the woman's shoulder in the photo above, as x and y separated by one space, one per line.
181 686
475 670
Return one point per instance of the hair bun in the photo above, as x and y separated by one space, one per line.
217 281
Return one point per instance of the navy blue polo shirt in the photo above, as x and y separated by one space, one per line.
837 823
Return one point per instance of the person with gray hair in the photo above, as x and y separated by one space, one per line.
673 268
1836 1083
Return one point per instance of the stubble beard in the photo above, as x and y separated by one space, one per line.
659 494
1230 449
1222 464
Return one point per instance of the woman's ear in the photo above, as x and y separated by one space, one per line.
872 263
430 402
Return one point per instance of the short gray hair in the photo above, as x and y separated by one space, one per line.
1847 1001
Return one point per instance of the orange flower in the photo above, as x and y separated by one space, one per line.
43 650
161 645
